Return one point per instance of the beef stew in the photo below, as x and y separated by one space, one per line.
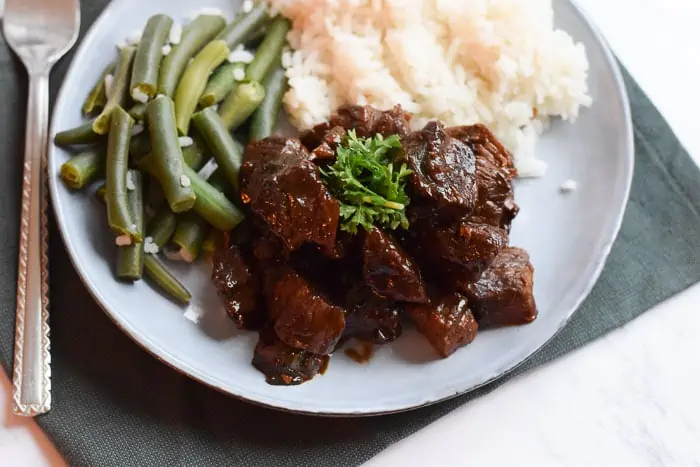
309 284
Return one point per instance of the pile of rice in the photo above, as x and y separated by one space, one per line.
497 62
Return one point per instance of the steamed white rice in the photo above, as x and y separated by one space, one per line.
497 62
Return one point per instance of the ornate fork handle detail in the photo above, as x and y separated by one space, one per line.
32 371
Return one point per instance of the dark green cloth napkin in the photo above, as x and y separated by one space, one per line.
115 405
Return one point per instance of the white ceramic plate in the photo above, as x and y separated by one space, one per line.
568 237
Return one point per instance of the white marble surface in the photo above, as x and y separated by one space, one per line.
628 399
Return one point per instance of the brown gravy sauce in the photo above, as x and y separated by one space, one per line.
361 353
324 367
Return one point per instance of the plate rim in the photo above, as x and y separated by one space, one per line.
185 369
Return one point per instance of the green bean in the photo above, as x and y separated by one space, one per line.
218 181
214 240
83 168
138 112
118 92
162 226
154 269
245 26
265 118
96 100
195 36
121 219
195 155
144 76
270 49
139 146
221 83
157 272
213 205
194 81
186 242
82 134
168 162
253 41
130 257
227 151
241 103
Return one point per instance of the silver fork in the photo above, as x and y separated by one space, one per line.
40 32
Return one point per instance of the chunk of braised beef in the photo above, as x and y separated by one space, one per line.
389 270
330 273
345 245
282 364
242 234
269 255
366 120
503 296
472 246
495 204
446 321
370 317
284 188
303 317
444 169
494 186
320 271
267 247
485 145
509 212
313 137
311 262
326 151
458 246
238 287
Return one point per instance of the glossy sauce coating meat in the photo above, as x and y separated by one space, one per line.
325 275
389 270
269 255
310 286
284 188
330 142
446 321
368 121
303 318
503 296
495 204
285 365
365 120
345 244
471 247
268 248
443 168
465 248
485 145
371 318
238 287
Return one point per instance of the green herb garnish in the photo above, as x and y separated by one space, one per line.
369 183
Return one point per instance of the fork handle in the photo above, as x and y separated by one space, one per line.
31 378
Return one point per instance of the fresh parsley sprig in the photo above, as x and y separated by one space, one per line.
369 184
